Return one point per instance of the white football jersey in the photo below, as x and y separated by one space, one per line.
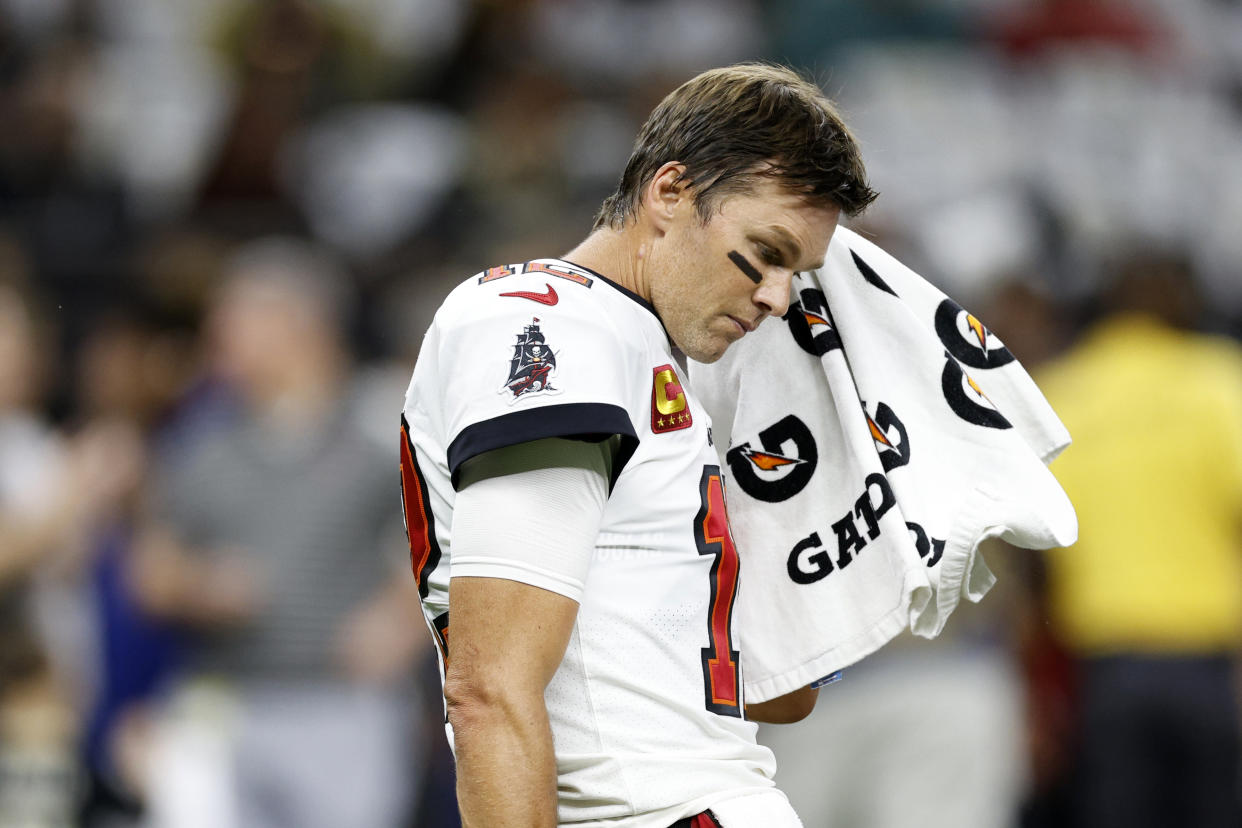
646 708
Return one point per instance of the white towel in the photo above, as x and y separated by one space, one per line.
871 440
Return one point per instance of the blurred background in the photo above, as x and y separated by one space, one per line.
225 225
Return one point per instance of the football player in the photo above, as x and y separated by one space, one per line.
562 495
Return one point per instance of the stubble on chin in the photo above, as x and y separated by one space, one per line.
705 348
709 359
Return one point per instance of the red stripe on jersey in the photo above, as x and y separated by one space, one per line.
419 524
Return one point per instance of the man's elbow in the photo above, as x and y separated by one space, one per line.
464 702
475 702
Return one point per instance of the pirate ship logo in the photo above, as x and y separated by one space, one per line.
532 366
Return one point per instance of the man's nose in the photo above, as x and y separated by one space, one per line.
772 294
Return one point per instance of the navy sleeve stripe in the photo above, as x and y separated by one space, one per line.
583 421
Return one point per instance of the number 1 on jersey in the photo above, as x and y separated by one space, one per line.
721 676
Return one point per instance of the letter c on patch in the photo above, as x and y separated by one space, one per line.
669 397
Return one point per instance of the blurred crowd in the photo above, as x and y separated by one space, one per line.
225 224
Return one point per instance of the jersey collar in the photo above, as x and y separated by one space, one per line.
627 293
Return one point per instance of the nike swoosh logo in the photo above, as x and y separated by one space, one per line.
549 298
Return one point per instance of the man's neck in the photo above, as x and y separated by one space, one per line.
621 255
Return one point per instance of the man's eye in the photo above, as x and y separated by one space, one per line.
769 254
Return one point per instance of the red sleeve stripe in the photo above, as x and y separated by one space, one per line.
419 521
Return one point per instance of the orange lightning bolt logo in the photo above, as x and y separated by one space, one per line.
765 461
878 434
980 332
971 382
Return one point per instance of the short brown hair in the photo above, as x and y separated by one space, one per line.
732 125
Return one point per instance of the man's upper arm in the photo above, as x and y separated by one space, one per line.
524 531
531 513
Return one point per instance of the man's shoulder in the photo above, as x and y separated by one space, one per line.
522 352
542 300
543 282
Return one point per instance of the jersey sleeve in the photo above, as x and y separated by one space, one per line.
512 370
535 526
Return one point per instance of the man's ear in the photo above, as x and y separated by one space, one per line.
666 195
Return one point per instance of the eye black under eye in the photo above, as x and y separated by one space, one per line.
745 266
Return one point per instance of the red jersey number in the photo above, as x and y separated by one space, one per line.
721 676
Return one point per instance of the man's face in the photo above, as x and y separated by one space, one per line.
714 282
